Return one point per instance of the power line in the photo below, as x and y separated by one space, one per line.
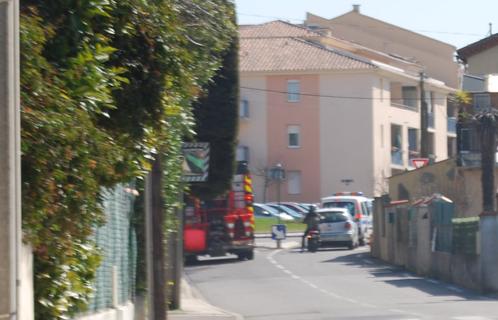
331 96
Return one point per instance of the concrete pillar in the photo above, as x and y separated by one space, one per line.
10 173
489 252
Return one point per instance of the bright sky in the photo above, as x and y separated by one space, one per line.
456 22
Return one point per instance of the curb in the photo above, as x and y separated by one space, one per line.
195 307
288 235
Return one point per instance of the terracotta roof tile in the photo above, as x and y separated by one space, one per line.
292 54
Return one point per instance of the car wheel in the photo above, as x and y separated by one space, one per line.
351 245
361 239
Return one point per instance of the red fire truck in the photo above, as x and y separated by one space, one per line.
222 225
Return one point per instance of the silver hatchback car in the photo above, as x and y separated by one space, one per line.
337 228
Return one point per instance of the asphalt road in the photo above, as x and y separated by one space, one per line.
330 284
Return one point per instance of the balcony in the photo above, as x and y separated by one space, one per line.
430 120
452 121
396 156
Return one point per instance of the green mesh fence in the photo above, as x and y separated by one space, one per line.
465 235
115 279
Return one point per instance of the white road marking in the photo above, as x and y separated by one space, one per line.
396 311
335 295
471 318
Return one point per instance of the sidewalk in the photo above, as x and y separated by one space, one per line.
195 307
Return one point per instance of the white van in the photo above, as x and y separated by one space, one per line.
360 208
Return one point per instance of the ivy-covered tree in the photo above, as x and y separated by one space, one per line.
105 86
216 116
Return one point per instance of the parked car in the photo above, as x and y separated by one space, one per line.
337 228
296 207
264 211
307 206
359 207
296 215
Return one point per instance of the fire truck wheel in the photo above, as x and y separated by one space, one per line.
190 259
250 255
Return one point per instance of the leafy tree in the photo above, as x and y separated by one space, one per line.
106 85
216 115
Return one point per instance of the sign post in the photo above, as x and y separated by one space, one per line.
195 161
278 232
277 173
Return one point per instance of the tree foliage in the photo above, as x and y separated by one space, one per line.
105 86
216 115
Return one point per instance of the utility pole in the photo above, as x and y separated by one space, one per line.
10 163
424 120
156 276
488 219
487 126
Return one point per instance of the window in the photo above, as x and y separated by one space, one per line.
429 100
244 108
294 182
242 153
413 150
409 95
293 90
431 144
452 147
293 136
452 117
469 140
482 101
396 145
381 85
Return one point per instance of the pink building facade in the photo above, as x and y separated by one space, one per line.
325 113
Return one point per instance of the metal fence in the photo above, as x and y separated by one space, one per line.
115 278
465 235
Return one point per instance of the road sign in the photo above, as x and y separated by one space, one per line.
278 231
195 161
420 162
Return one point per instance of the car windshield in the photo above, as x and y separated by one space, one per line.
333 216
285 209
341 204
268 208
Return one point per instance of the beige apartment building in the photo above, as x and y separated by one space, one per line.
438 58
338 116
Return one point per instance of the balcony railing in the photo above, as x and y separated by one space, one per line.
452 121
396 156
430 119
412 154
